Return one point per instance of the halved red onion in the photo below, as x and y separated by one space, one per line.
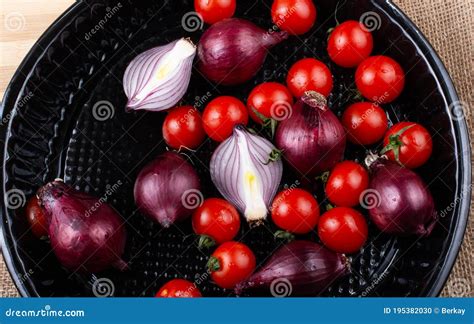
244 175
158 78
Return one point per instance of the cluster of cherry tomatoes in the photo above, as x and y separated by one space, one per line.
379 79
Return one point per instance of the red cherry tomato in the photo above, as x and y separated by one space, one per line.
217 219
294 16
343 230
213 11
365 123
295 210
380 79
178 288
270 99
309 74
349 44
221 115
346 183
36 218
410 142
231 263
183 127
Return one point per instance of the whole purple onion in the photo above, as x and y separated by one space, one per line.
297 268
232 51
86 233
168 189
312 139
398 200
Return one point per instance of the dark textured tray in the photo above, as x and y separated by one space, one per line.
64 117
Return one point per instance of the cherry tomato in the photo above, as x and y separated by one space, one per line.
36 218
183 127
221 115
295 210
409 143
380 79
346 183
217 219
349 44
178 288
213 11
365 123
270 99
343 229
294 16
309 74
231 263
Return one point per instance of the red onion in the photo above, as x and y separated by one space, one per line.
233 50
243 173
312 139
158 78
298 268
168 189
398 200
86 233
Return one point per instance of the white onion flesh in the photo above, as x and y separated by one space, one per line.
158 78
240 171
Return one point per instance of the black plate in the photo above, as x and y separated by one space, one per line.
49 130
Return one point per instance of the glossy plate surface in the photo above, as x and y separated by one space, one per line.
64 117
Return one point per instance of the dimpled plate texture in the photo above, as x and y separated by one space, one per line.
69 121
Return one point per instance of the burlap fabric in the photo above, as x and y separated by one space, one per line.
448 25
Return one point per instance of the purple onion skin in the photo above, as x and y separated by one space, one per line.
309 267
232 51
87 235
312 139
161 187
405 205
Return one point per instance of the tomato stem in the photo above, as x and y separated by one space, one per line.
395 143
205 242
280 234
213 264
275 155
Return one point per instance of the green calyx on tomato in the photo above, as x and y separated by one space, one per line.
267 123
206 242
284 235
275 155
395 143
213 264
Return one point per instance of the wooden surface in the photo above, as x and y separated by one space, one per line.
21 23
